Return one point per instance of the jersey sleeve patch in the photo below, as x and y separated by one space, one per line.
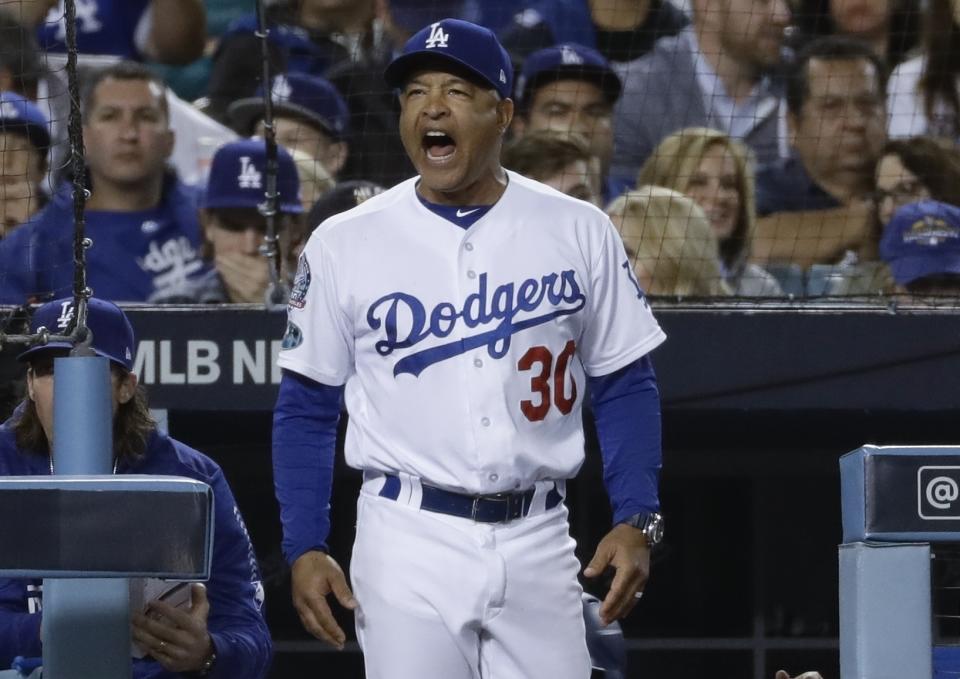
293 337
301 284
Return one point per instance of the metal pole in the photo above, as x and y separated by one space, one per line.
86 622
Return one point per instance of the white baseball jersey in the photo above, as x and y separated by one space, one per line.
464 352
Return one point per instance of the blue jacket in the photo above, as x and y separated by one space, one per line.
103 27
135 255
236 624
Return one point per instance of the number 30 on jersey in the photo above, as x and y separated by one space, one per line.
548 382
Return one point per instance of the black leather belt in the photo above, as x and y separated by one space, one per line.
495 508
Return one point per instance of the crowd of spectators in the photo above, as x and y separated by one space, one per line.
799 129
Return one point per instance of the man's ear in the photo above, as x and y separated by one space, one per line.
30 384
504 114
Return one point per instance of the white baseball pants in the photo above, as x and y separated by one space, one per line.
443 597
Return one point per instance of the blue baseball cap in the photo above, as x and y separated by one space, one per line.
112 333
238 177
308 97
18 114
458 43
568 61
922 239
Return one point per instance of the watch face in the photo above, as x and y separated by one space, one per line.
654 530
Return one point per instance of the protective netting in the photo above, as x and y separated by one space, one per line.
748 151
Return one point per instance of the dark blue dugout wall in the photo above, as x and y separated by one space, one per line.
759 404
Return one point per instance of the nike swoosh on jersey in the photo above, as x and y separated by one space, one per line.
468 212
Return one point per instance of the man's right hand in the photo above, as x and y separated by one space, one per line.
316 574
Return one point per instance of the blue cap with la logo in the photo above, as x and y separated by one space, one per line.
238 177
112 333
454 43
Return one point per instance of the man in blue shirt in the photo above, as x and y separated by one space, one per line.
168 31
223 633
142 220
813 206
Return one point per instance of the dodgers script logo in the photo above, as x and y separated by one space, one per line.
480 309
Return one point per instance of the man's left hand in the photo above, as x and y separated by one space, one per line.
177 639
625 549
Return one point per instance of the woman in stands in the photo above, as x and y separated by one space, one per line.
716 172
923 93
669 240
909 170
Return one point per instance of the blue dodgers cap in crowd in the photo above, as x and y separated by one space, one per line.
311 98
17 114
238 177
567 61
454 42
112 333
922 239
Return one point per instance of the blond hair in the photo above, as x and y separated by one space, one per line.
675 161
668 237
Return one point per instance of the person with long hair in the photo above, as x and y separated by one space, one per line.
717 172
923 93
669 242
223 632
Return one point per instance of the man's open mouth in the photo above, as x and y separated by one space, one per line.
439 145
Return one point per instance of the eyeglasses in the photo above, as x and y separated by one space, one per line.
903 192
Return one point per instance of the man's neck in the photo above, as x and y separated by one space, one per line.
844 186
738 77
485 191
111 197
617 15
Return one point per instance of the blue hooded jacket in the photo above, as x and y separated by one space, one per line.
236 624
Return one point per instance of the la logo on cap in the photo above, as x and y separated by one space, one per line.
437 37
66 314
8 110
570 57
281 88
249 177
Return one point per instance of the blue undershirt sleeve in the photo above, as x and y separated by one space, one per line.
626 408
304 440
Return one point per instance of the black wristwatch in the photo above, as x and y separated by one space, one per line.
207 665
650 523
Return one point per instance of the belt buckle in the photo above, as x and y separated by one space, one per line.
495 497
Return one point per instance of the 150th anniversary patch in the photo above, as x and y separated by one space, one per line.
301 283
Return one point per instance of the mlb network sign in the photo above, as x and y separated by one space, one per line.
216 358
